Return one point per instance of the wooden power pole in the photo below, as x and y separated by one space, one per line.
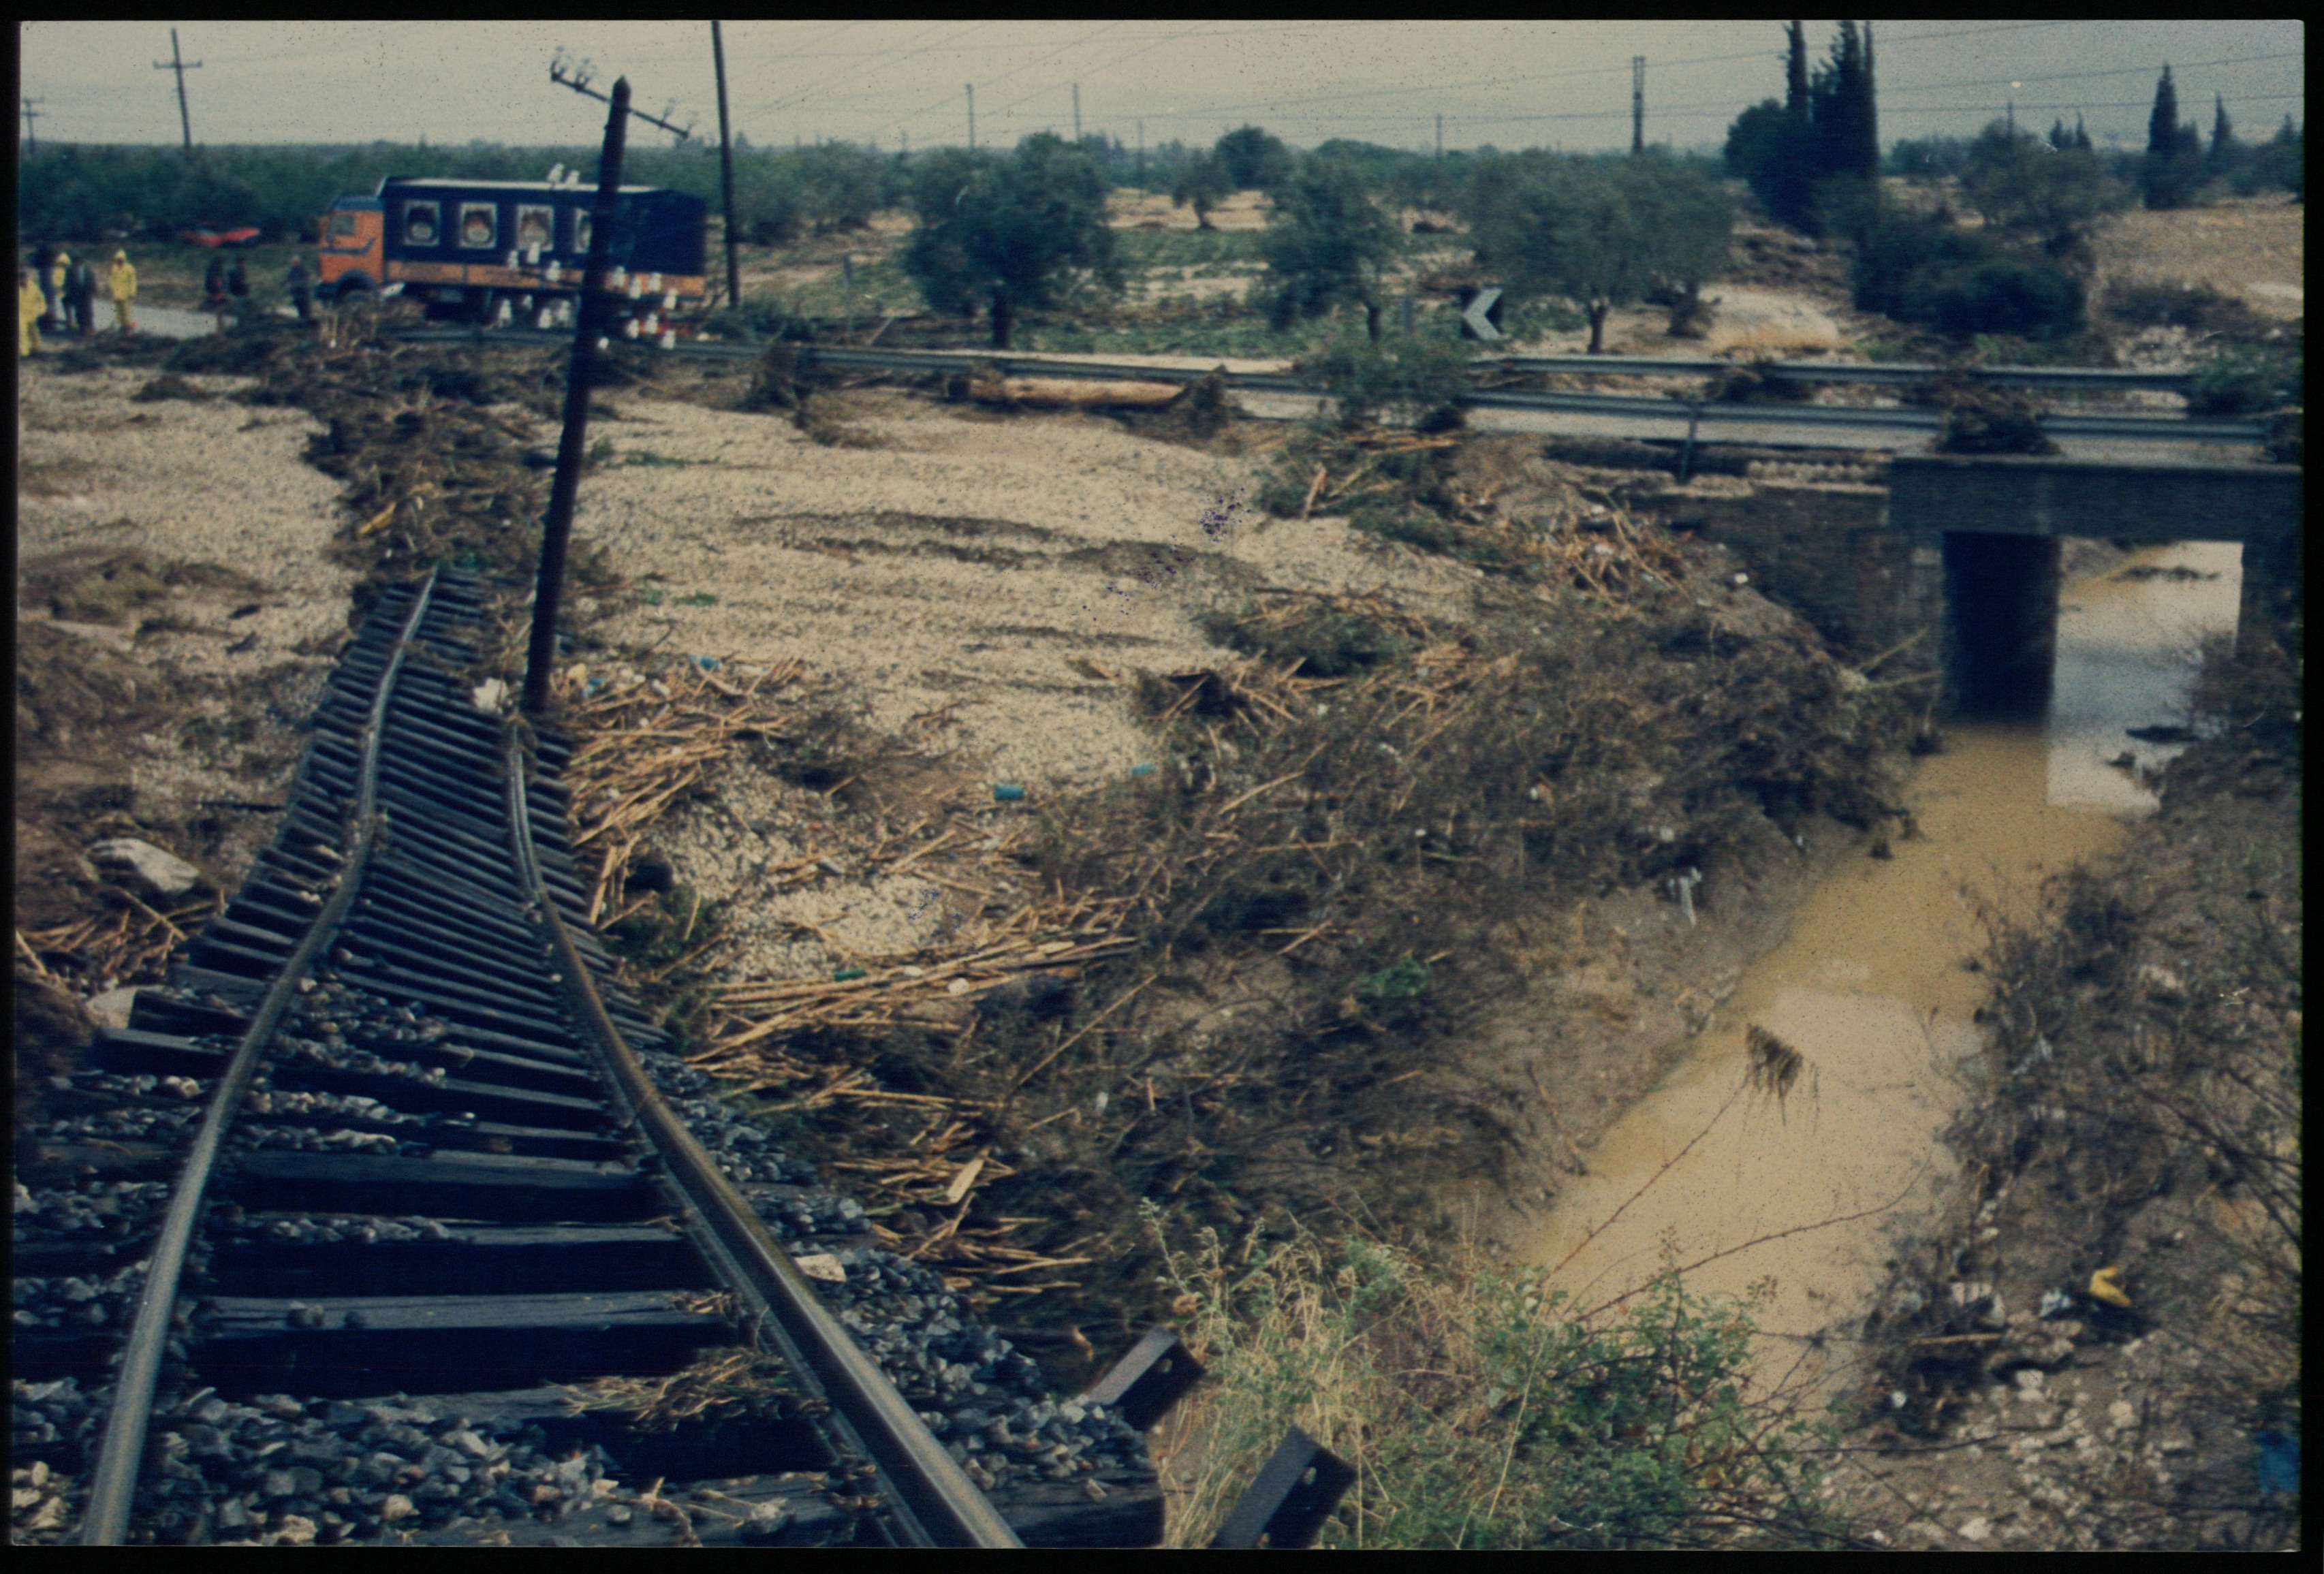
1077 114
178 63
972 115
1637 104
32 146
726 173
557 530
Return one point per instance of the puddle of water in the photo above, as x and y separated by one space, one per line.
1740 1188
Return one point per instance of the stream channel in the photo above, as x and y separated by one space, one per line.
1740 1187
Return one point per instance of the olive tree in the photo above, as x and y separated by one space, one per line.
1203 183
1014 232
1327 244
2026 190
1601 232
1253 158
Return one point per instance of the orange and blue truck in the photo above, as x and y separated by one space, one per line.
514 251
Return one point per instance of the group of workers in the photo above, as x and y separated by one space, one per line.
56 293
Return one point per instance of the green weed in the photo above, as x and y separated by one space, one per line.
1481 1411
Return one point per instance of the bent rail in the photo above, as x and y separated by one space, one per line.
113 1484
944 1507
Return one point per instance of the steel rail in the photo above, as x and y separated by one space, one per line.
113 1489
939 1505
2145 428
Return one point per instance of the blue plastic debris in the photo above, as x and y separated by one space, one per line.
1142 770
708 663
593 686
846 974
2278 1462
1006 794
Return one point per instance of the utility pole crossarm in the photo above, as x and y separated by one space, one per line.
581 85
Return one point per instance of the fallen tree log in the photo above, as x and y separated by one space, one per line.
1073 392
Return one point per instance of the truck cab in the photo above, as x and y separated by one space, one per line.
351 258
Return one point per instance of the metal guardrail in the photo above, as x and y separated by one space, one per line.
2163 428
2086 378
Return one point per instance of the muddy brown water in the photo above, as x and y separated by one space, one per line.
1801 1195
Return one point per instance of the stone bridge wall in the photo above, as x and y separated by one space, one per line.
1869 566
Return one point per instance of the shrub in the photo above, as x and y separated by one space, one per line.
1921 271
2244 382
1482 1411
1980 419
2002 295
1402 378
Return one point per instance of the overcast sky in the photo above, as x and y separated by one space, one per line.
1511 84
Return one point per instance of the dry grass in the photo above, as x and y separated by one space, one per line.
722 1388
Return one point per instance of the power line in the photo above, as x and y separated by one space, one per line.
2072 76
796 98
30 115
936 107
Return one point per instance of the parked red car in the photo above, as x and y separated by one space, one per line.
246 235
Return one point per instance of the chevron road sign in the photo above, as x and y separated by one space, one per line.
1475 322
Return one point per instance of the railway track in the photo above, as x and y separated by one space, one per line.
450 1238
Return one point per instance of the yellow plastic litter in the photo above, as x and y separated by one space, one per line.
2104 1288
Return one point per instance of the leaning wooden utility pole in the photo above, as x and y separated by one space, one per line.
1637 104
178 63
558 526
726 173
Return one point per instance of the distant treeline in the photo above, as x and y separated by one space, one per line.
69 191
87 192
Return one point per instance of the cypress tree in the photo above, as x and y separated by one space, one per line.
1867 114
2060 139
2163 119
1795 74
2223 131
2081 136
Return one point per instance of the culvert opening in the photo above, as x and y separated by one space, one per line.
2001 596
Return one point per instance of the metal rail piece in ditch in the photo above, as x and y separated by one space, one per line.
1143 1386
1295 1492
113 1487
936 1503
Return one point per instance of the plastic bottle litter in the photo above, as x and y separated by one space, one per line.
2103 1287
1006 793
845 973
1142 770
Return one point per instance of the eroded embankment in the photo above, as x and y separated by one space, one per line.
2098 1345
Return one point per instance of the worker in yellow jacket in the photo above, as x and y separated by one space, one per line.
122 284
30 305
